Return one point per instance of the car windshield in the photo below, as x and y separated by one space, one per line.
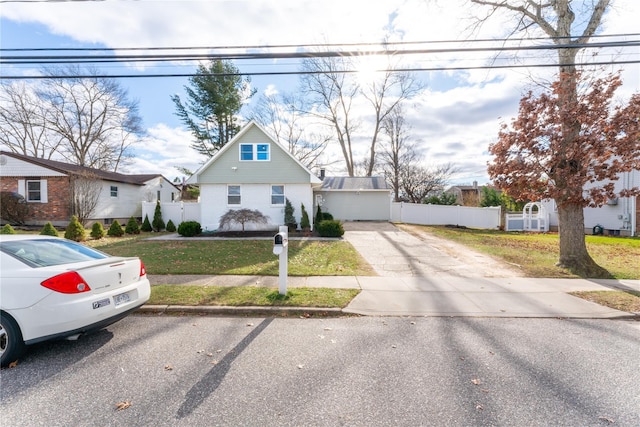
45 252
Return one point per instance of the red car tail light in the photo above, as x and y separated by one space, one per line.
143 271
67 283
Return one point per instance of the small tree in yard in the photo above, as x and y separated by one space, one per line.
304 220
242 216
98 231
49 230
132 226
289 219
75 230
146 225
7 229
535 159
157 223
171 227
115 230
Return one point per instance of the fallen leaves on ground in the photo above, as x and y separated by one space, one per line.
123 405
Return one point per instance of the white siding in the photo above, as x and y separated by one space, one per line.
127 203
357 205
16 167
254 196
149 192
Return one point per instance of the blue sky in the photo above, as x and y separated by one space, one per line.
454 119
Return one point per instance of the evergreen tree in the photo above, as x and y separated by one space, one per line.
97 231
146 225
75 231
215 97
157 223
49 230
304 221
132 226
116 229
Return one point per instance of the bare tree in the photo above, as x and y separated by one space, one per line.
23 127
419 182
284 116
242 217
332 93
385 94
557 20
95 118
85 194
398 152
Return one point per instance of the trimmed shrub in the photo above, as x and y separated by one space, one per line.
189 228
318 218
7 229
326 216
146 225
157 223
97 231
289 219
115 230
304 221
330 228
171 227
75 230
132 226
49 230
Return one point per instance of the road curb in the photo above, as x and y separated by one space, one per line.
244 311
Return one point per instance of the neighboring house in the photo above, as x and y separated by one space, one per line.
48 187
619 217
355 198
253 171
467 195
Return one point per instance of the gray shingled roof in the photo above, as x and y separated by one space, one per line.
68 168
354 183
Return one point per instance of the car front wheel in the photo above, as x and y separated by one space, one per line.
11 343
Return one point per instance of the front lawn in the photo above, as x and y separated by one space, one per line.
536 254
238 257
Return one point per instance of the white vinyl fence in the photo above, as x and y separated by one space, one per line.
411 213
175 211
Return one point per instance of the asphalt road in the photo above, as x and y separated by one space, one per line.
362 371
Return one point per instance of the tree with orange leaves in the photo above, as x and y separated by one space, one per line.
534 159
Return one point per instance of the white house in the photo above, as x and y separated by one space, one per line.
253 171
620 216
47 187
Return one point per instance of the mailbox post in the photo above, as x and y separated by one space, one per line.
281 248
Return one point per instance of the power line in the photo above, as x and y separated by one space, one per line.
287 73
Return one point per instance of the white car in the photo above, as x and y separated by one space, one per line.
56 288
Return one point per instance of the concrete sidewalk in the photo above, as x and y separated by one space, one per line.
438 296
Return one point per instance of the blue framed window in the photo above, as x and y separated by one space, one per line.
246 151
251 152
277 194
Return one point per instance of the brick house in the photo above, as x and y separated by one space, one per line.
48 187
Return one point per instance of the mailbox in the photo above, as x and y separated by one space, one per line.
280 241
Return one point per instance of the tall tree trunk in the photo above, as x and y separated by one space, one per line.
573 248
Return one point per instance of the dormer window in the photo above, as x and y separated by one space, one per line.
253 152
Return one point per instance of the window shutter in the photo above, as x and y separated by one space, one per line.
22 188
43 191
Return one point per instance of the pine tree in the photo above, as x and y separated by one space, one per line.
157 223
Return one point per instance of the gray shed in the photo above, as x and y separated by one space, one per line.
355 198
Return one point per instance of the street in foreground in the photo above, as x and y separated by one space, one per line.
205 371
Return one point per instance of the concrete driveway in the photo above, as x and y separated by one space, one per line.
422 275
406 251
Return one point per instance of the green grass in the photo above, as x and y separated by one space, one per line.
239 257
537 254
250 296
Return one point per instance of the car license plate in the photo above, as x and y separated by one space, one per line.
121 299
101 303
